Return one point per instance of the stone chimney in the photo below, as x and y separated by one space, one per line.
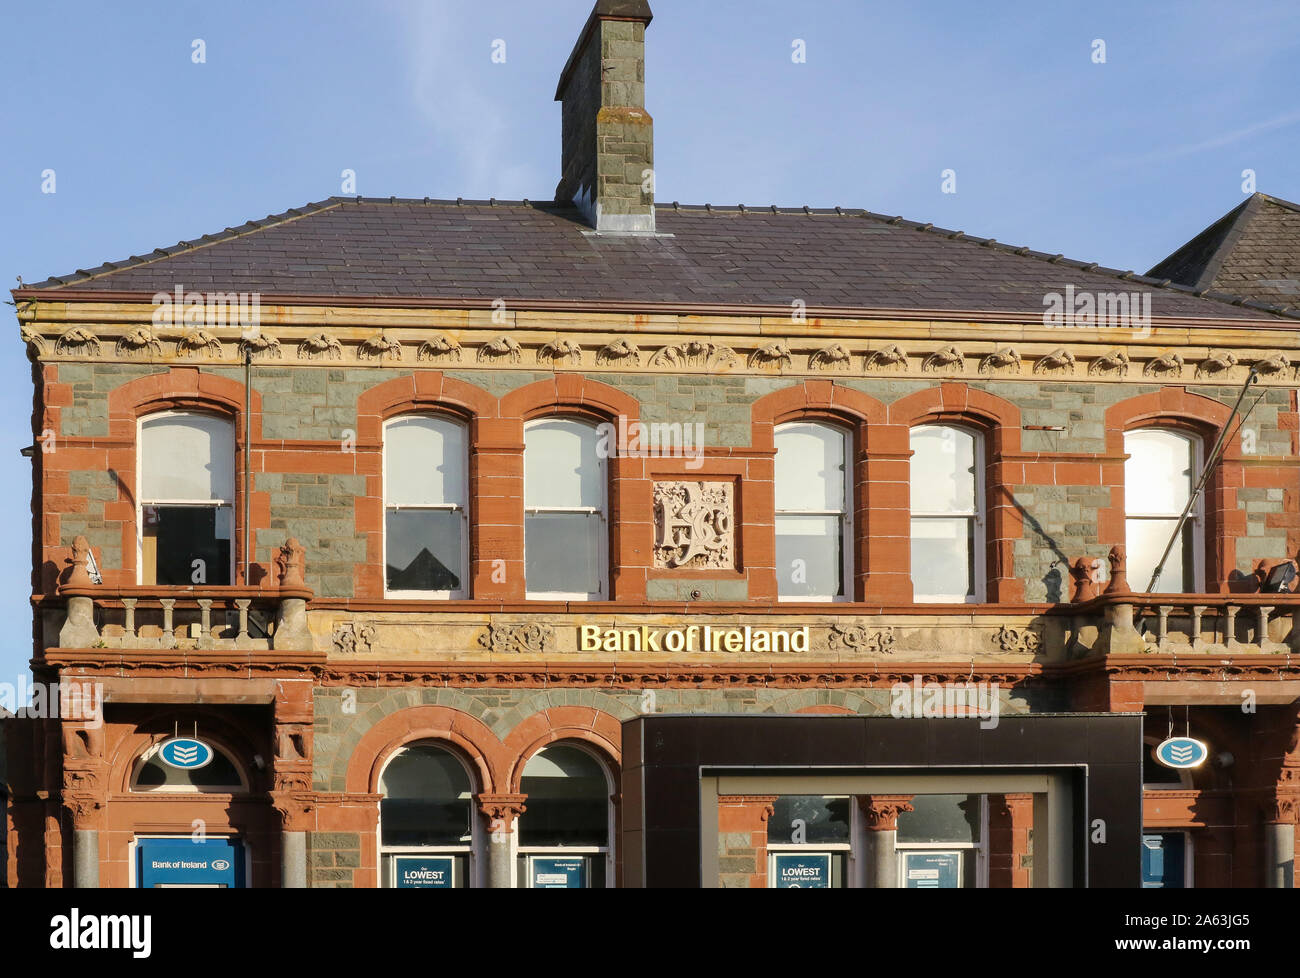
608 138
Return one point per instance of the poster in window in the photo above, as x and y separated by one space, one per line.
801 870
424 872
557 872
932 870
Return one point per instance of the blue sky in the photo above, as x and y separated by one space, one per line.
1117 162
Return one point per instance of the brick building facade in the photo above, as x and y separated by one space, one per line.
225 527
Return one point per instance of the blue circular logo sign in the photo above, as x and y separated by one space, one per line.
221 865
185 753
1182 752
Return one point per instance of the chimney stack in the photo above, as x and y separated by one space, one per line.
608 136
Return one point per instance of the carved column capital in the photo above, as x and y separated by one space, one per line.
882 811
294 802
1281 808
83 795
501 810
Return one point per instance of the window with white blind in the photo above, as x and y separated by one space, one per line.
813 513
1159 476
947 524
187 498
426 488
565 530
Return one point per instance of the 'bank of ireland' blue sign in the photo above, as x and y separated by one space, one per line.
424 872
186 753
214 862
802 871
1182 752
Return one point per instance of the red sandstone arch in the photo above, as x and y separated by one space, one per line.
593 727
466 734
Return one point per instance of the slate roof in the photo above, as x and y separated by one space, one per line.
1253 250
390 248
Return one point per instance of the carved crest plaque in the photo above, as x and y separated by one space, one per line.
694 525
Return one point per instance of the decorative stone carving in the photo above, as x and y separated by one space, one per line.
560 351
882 811
35 342
138 340
1115 362
836 356
79 575
694 525
1270 365
320 346
198 341
1216 363
1169 364
859 638
260 345
1003 358
891 357
617 350
501 810
1021 641
695 353
501 639
1085 575
351 638
76 340
949 358
775 353
1118 558
379 346
1059 360
502 346
291 561
439 347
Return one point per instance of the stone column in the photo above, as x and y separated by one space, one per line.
291 778
84 780
742 840
1279 841
1011 829
501 811
881 812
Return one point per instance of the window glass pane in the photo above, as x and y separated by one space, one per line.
943 470
187 457
426 799
568 799
941 818
561 465
425 549
177 536
562 552
1158 473
1145 541
809 818
217 773
810 468
809 558
424 462
943 559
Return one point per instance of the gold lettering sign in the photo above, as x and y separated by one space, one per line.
692 638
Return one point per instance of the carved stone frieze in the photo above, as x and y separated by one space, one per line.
198 341
774 354
1115 362
560 351
351 637
1272 365
617 351
378 347
1171 364
694 525
503 638
260 345
947 359
320 346
502 347
1059 361
1216 363
138 341
1021 641
1004 358
835 356
439 347
78 339
695 353
890 357
859 638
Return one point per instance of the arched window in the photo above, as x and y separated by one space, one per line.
1159 476
947 494
221 774
426 488
566 539
814 536
187 498
564 834
426 819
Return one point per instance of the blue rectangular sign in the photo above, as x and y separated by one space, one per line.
932 870
424 872
213 862
802 870
558 872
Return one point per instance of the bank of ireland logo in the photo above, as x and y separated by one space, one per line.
185 753
221 865
1182 752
